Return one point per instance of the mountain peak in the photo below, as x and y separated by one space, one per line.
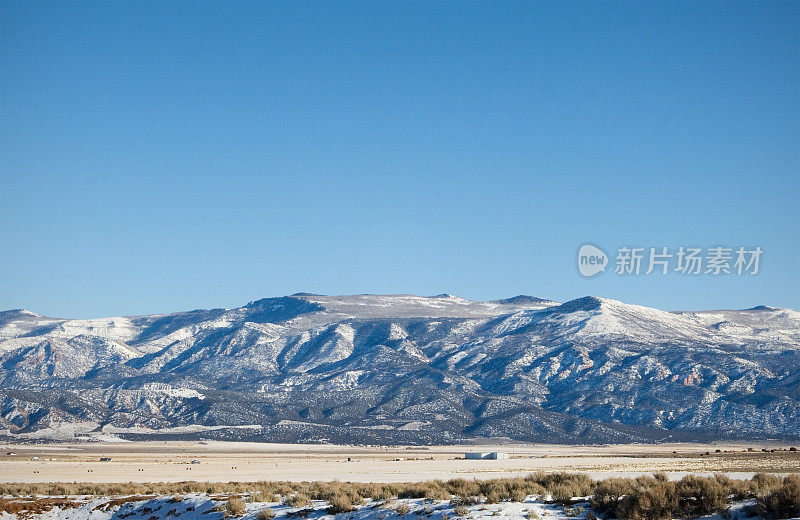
17 314
586 303
522 299
281 308
762 308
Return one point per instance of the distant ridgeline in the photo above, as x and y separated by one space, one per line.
405 369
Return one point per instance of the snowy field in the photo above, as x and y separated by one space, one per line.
202 507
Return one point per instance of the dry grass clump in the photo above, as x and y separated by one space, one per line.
402 510
432 490
265 514
517 495
470 492
260 496
297 500
461 511
783 501
762 484
699 496
355 490
563 494
609 492
341 504
563 486
650 499
234 507
34 506
492 497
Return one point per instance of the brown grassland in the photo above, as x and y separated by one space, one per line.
641 498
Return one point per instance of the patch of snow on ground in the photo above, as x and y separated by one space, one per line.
203 507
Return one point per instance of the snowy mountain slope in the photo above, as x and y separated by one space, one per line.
403 368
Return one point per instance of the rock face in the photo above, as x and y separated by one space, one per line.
405 369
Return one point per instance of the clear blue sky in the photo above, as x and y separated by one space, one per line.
159 157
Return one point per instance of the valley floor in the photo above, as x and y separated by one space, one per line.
244 462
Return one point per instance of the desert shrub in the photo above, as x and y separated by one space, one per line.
698 496
297 500
412 492
651 500
609 492
460 511
261 496
265 514
579 484
376 491
517 495
402 509
437 491
463 487
563 493
341 503
433 490
763 484
784 501
506 489
382 492
234 507
532 515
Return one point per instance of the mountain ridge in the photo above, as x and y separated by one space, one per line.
405 369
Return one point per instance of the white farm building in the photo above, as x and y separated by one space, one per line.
485 455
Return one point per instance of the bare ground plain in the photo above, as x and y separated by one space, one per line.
244 462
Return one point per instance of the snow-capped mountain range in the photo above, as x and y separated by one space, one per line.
405 369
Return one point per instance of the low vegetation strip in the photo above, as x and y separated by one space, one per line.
643 498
